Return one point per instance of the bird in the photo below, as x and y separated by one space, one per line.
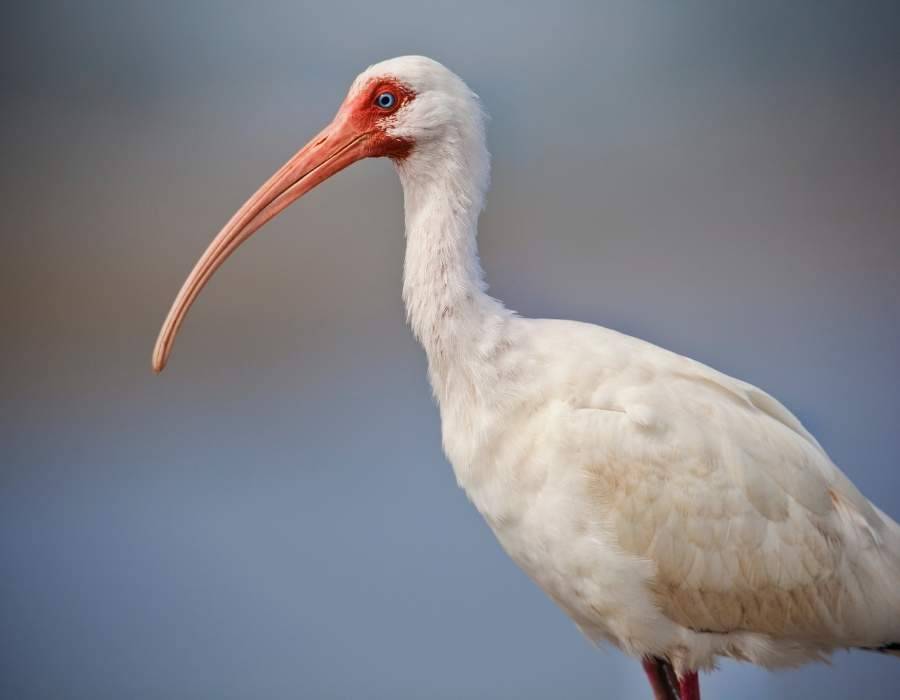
677 513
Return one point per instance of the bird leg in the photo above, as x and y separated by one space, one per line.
662 678
689 686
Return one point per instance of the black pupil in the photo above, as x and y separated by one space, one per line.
385 99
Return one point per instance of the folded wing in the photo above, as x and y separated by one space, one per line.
750 525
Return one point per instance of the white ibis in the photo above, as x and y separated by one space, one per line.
669 509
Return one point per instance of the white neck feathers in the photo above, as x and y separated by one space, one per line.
458 324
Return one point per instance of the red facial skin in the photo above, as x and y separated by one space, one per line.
365 115
359 130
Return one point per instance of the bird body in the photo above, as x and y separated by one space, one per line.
669 509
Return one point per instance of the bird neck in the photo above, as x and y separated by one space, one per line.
456 321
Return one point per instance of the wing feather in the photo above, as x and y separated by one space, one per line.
750 525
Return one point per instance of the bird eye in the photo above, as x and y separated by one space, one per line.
386 100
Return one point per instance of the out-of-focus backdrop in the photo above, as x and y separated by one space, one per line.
273 516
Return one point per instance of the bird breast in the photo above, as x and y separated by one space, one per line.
524 474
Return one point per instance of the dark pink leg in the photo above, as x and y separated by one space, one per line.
689 686
660 680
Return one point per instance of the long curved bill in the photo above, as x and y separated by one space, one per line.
336 147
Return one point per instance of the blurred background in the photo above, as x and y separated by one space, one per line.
273 517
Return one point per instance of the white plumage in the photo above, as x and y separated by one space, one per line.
672 510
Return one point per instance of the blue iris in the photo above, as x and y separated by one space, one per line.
385 100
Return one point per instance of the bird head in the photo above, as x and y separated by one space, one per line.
410 109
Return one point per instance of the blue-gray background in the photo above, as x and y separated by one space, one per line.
273 517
